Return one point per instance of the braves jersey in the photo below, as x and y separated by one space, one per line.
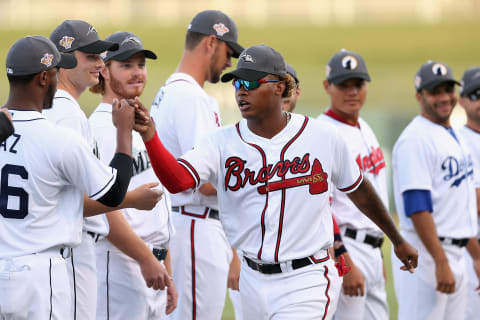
428 157
66 112
45 170
274 193
364 147
183 112
153 226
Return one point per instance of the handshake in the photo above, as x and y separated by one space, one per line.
131 114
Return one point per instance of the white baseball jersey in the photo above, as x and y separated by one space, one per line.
66 112
45 170
364 147
181 108
153 226
274 193
427 157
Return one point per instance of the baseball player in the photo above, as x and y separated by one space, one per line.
273 175
122 293
184 112
435 200
288 104
363 295
470 101
6 126
45 170
82 40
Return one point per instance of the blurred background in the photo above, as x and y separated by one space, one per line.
394 37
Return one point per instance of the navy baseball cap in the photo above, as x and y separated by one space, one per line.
346 65
433 73
470 81
256 62
79 35
129 45
217 23
291 71
34 54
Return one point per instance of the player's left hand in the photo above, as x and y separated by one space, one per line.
408 255
146 196
172 297
144 124
234 273
154 273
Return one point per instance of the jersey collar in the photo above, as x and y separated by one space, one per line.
337 117
25 115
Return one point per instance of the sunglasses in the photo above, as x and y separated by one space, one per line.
250 85
474 96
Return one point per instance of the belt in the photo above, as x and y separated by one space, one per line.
271 268
94 235
209 213
375 242
160 254
456 242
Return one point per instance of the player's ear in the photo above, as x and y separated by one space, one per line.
42 78
211 43
326 85
280 88
105 72
418 95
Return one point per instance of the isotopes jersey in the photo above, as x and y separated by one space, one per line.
180 108
427 156
153 226
365 148
45 170
66 112
274 193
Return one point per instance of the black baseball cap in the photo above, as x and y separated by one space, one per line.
128 45
34 54
433 73
291 71
79 35
217 23
346 65
470 81
256 62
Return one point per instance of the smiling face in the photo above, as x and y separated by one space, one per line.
126 79
87 71
437 104
347 97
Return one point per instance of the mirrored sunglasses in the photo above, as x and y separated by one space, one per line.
250 85
474 96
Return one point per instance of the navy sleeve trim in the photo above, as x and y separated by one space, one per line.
417 201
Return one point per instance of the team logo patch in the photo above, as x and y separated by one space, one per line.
131 39
247 58
439 69
328 69
221 29
66 42
91 29
418 81
349 63
9 70
47 59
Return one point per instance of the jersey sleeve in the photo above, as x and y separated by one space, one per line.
83 170
346 174
106 141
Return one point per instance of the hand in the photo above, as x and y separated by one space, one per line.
354 282
154 273
234 274
408 255
146 196
476 267
172 297
341 266
144 124
123 115
445 278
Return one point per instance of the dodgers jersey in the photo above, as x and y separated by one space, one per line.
274 193
427 157
66 112
365 149
45 170
153 226
183 113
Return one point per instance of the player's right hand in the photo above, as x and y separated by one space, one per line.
123 115
144 124
354 282
146 196
445 278
154 273
408 255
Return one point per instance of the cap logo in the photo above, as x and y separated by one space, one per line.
47 59
476 75
328 69
439 69
91 29
247 58
418 81
221 29
103 55
66 42
349 63
131 39
9 70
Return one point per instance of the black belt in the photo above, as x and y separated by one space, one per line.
212 213
271 268
375 242
94 235
160 254
456 242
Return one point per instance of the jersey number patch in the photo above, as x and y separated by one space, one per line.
7 191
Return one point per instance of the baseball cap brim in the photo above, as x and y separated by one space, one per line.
244 74
68 61
129 53
435 83
352 75
99 46
237 49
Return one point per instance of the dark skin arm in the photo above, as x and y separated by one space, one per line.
368 201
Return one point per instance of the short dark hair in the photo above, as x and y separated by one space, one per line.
20 80
192 39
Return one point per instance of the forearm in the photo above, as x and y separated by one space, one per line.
473 248
427 232
167 263
92 207
124 141
367 200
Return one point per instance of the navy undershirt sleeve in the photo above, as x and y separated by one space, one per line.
416 201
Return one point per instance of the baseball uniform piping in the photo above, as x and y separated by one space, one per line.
51 291
326 292
191 169
335 116
194 298
353 185
74 286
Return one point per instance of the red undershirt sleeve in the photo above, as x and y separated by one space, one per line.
174 176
